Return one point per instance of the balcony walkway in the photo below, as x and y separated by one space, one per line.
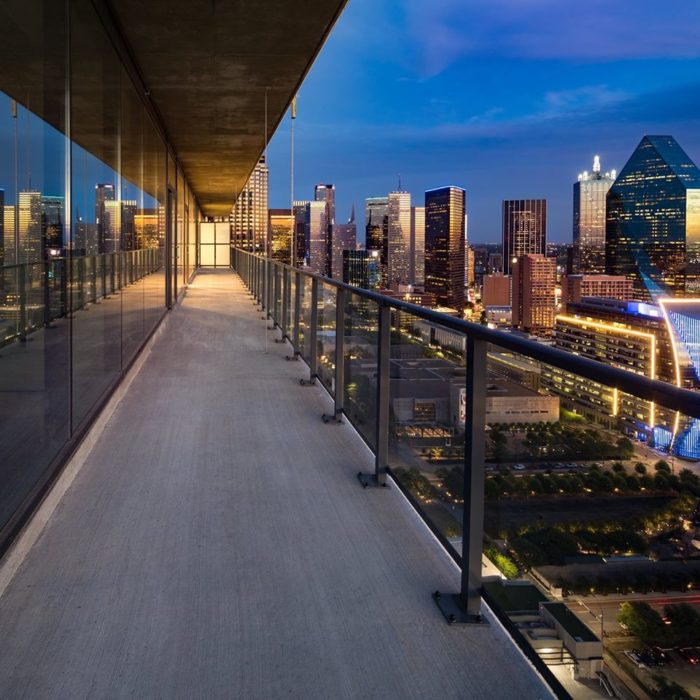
216 544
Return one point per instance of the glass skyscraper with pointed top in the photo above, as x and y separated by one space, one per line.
653 221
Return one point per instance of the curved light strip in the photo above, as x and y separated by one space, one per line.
663 303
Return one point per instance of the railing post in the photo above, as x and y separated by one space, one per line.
339 357
381 459
313 334
465 606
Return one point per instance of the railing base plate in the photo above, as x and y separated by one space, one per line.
371 480
333 417
452 608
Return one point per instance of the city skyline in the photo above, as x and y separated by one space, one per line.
574 90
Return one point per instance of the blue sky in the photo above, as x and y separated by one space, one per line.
506 98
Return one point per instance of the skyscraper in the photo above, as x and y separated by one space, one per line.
589 219
52 218
316 237
524 229
129 241
107 220
326 194
418 246
2 233
299 214
398 238
653 221
249 214
376 231
444 245
533 282
361 268
8 224
344 237
30 248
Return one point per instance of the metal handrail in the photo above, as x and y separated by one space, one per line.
669 396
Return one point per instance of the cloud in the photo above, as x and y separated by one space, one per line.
445 31
582 99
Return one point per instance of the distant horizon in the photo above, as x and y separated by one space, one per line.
509 99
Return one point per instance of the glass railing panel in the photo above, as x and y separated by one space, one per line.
360 349
325 337
57 286
426 434
289 306
278 289
305 319
586 492
10 304
34 293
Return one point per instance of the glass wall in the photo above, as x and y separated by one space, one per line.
83 245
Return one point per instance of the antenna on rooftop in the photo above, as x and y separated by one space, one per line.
399 182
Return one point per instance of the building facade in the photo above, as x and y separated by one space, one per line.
575 287
524 229
495 290
362 268
444 245
590 192
281 226
533 286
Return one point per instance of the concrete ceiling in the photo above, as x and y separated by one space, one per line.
207 64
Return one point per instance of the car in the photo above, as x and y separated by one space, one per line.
519 467
661 656
691 655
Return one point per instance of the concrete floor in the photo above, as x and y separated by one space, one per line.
216 544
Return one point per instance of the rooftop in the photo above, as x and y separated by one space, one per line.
570 622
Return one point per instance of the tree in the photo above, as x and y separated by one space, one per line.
625 448
640 468
685 621
498 443
492 489
662 466
642 621
618 468
661 481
